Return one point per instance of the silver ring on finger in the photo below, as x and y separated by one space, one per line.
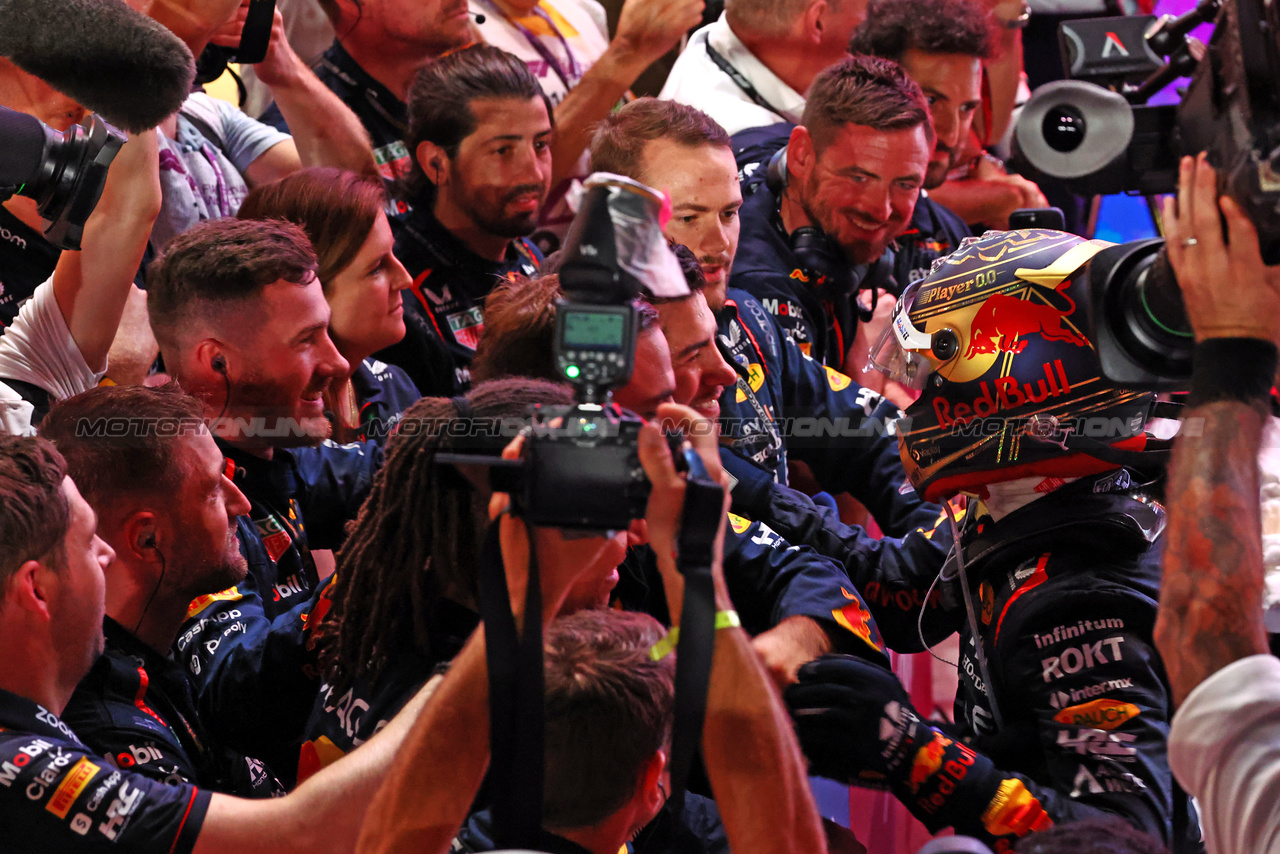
1189 242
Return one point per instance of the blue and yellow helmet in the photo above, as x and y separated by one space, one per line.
996 339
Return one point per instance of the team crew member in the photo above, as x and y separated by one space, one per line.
58 795
343 215
584 74
168 510
942 44
1063 708
820 229
684 153
480 134
391 623
262 386
954 49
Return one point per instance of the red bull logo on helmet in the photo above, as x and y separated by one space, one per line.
1004 393
1004 321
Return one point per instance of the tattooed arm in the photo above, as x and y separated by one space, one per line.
1211 597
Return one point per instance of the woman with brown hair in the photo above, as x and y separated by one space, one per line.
344 216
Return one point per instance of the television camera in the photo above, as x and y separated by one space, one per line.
1098 134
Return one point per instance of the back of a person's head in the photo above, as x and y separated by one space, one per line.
1105 835
520 330
335 207
121 442
619 140
867 91
418 534
767 17
609 708
441 96
893 27
208 275
34 514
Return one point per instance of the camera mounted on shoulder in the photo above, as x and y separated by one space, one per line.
1098 135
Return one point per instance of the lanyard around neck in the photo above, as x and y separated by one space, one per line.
568 76
740 80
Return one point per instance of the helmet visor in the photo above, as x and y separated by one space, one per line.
903 352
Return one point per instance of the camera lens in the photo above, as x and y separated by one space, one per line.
1064 128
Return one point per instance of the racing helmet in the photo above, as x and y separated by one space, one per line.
996 339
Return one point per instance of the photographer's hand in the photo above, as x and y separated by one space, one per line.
646 30
196 22
325 131
748 745
1229 292
666 501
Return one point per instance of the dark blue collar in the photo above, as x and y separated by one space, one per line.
24 715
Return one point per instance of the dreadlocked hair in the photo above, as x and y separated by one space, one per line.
418 534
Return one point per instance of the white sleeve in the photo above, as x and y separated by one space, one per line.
1224 748
241 138
15 413
38 349
598 16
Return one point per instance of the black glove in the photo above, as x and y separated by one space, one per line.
855 721
856 724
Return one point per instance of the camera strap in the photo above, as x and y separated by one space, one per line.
515 697
516 680
699 520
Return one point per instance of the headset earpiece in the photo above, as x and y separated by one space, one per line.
775 176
